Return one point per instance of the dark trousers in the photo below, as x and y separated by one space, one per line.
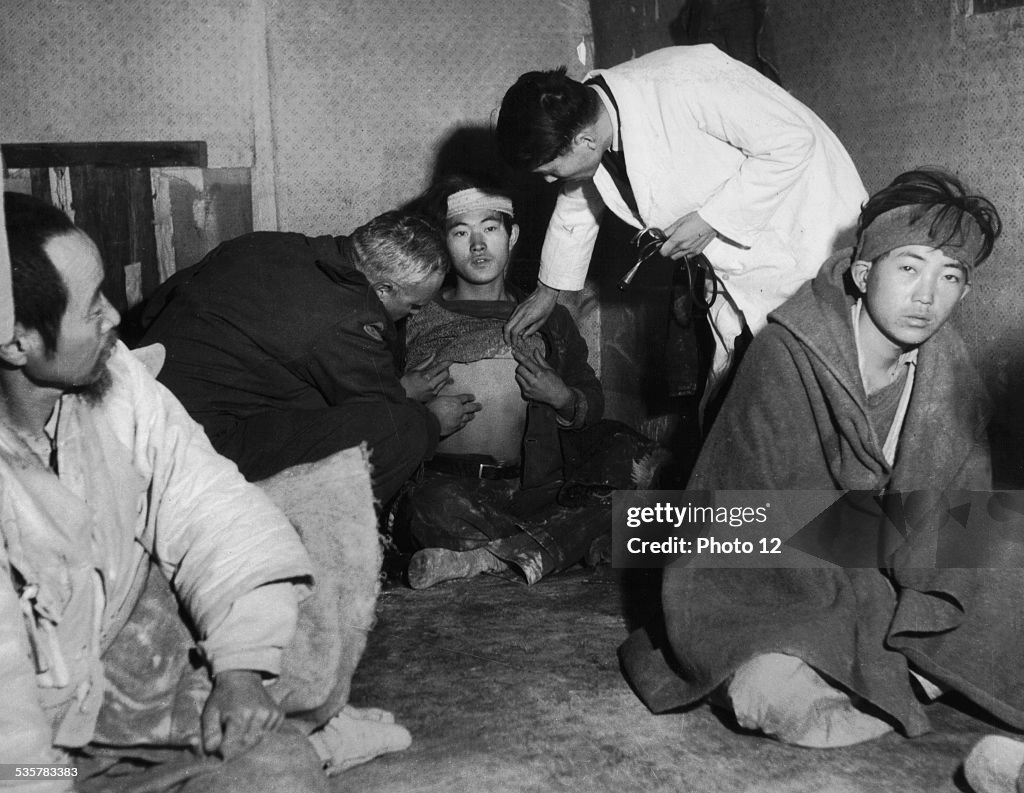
283 761
544 529
267 443
461 513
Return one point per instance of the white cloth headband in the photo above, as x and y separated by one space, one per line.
474 199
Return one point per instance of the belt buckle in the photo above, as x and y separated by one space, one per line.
488 471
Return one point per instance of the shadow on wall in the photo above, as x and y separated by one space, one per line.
1005 380
738 27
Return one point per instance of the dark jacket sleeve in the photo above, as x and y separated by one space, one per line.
355 360
568 356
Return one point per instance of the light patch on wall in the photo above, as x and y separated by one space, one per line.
196 209
163 223
133 283
201 211
60 191
18 180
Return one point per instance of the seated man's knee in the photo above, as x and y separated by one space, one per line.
436 490
283 760
429 501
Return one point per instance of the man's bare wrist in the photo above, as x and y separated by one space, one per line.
238 676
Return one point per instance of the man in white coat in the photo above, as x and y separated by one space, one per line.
720 158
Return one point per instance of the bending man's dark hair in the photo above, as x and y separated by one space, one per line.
932 188
540 115
40 294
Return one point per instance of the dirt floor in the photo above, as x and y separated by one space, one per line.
509 688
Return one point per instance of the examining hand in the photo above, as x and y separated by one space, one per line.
425 380
688 236
453 412
238 713
539 382
530 314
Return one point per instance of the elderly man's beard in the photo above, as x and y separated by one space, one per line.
100 379
96 389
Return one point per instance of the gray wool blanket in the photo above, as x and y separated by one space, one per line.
796 418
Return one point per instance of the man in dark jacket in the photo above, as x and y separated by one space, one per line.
285 347
516 490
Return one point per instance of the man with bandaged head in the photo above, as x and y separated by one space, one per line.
525 490
858 383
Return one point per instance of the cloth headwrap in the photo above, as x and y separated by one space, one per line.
912 225
473 199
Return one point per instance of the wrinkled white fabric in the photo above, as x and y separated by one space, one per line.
137 478
786 699
703 132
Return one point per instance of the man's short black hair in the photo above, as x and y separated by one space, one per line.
540 115
40 294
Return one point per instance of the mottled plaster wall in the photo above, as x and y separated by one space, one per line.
919 82
85 70
365 99
340 107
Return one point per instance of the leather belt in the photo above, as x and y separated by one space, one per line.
473 466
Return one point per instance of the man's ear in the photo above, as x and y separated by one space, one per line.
383 288
586 137
967 288
24 342
859 272
513 236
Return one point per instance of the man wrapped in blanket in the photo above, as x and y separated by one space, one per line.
859 383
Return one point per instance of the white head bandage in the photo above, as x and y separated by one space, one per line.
474 199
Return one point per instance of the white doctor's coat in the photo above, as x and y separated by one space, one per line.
702 131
